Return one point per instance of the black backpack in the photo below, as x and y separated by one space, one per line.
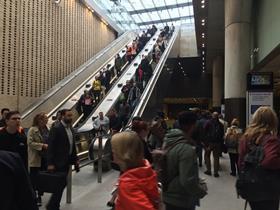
255 182
160 162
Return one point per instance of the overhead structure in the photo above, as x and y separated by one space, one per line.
135 14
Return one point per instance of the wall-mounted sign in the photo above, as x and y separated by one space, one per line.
259 92
260 81
256 100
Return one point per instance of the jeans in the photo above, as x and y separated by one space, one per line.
171 207
216 149
265 205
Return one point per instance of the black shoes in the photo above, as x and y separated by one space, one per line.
208 173
233 174
216 175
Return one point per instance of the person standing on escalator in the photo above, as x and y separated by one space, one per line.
96 88
134 96
118 64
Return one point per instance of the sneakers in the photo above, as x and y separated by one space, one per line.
208 173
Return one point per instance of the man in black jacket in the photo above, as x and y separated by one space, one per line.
213 141
16 191
61 153
12 136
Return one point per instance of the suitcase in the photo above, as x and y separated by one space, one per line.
51 182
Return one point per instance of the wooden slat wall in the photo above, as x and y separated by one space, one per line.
41 43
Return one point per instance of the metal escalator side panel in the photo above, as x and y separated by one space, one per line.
139 109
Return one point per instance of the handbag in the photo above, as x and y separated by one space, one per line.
51 182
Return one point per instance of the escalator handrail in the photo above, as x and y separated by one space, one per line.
72 76
138 111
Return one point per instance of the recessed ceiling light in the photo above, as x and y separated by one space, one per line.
203 20
203 71
203 34
202 6
203 1
203 58
203 24
203 52
203 63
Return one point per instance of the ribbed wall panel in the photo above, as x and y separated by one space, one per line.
41 43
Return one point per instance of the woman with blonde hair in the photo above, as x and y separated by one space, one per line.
138 182
37 138
232 138
260 155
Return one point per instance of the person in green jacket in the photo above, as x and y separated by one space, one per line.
184 190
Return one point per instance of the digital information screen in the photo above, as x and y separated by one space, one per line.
260 80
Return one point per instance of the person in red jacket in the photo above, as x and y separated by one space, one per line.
138 183
263 131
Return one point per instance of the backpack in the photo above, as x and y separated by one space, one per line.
160 162
255 182
232 139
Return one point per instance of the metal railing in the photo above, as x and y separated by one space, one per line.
138 111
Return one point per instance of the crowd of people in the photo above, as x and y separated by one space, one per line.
103 81
43 153
146 153
175 157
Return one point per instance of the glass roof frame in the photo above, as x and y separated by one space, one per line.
135 14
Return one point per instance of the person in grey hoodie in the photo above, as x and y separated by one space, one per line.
183 189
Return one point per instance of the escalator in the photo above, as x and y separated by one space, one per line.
67 92
85 131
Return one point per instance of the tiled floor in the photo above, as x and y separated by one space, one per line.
89 195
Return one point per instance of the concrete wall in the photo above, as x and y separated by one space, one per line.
185 44
43 42
267 26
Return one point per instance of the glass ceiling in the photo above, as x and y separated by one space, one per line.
135 14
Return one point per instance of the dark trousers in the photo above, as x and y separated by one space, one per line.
233 162
34 171
216 149
96 94
54 202
199 149
265 205
171 207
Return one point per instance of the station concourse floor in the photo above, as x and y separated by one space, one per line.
90 195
